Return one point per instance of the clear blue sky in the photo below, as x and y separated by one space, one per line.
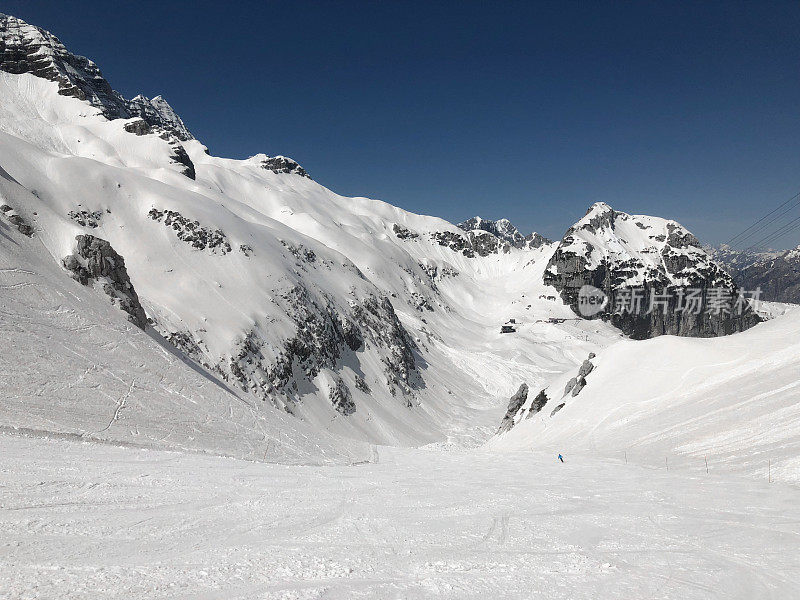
526 110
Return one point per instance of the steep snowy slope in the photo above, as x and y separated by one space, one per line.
348 312
73 366
734 400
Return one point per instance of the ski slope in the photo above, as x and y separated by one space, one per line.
79 521
733 401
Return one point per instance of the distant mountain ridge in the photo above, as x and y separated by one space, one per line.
504 230
776 273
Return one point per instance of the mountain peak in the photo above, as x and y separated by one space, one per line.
502 229
25 48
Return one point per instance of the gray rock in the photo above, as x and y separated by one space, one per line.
568 271
570 385
592 355
404 233
537 404
585 369
557 408
283 164
191 232
362 385
25 48
15 219
514 405
778 277
579 385
95 259
341 398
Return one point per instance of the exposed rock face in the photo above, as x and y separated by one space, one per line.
501 229
471 243
159 114
25 48
16 219
506 234
323 335
341 398
283 164
580 383
585 368
96 260
616 253
536 240
404 233
514 405
537 404
379 324
86 218
191 232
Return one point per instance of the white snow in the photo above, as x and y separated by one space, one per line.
65 157
733 400
83 522
127 471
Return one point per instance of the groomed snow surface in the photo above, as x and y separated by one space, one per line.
83 521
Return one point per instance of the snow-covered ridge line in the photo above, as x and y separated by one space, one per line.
25 48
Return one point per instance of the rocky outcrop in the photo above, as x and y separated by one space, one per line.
323 335
537 404
341 398
580 383
95 260
191 232
17 220
502 230
536 240
517 406
159 114
86 218
283 164
379 324
514 405
505 235
647 277
403 233
25 48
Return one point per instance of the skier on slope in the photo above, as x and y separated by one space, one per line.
561 458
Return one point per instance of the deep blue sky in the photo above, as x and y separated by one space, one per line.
526 110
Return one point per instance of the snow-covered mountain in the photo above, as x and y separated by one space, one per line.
25 48
355 316
776 273
651 261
